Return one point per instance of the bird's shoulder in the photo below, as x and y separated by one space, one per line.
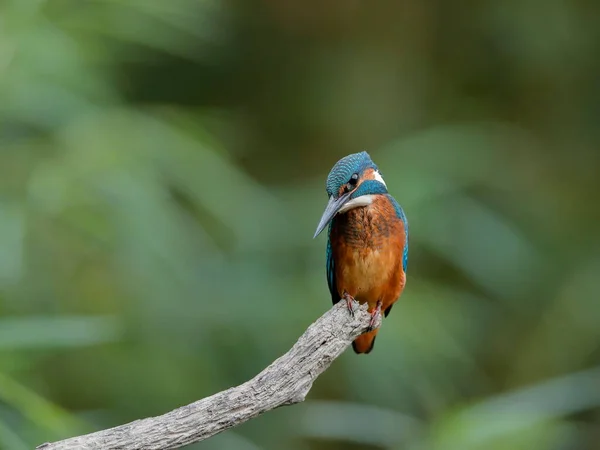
401 217
386 205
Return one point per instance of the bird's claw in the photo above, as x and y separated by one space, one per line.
349 303
375 316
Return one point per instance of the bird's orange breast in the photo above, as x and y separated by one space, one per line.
367 246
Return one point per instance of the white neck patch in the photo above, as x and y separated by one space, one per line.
377 176
363 200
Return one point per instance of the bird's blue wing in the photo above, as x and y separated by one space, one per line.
335 297
400 214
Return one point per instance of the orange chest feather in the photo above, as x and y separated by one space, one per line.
367 245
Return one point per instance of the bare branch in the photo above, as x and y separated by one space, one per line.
286 381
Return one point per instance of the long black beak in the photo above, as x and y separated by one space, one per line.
333 206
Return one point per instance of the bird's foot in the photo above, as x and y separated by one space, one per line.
375 315
349 303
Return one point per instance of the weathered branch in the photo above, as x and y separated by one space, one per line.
286 381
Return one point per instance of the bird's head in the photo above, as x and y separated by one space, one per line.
352 182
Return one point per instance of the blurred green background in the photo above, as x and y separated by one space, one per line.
162 172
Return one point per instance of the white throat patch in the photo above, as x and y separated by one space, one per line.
378 177
363 200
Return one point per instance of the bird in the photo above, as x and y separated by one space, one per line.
367 243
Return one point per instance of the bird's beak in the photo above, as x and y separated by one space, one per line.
333 206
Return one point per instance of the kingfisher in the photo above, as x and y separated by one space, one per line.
367 245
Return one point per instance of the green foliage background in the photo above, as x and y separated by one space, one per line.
162 169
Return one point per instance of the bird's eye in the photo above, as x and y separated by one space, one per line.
353 179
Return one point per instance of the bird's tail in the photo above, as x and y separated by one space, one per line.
365 342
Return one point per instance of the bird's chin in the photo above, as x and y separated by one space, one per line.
358 202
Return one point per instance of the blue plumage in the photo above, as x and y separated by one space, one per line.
344 168
369 187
